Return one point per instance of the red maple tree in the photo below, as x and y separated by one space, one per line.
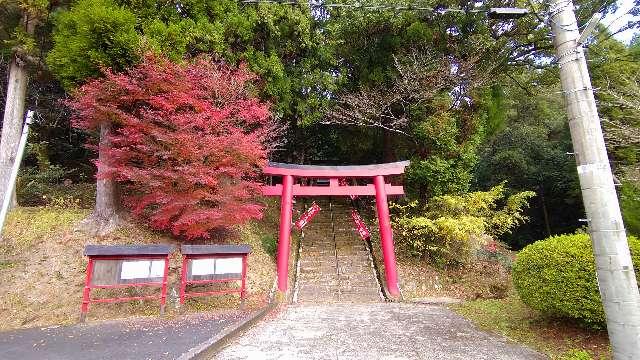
188 141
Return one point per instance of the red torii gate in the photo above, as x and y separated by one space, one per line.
287 190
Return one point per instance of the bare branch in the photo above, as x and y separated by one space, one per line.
421 78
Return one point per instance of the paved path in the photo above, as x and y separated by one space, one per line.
334 264
128 339
371 331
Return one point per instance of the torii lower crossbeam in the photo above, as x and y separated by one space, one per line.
380 189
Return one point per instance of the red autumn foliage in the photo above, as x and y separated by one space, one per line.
188 141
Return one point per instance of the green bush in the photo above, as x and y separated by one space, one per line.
48 188
630 205
557 276
269 244
451 229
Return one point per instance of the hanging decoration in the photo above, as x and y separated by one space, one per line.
307 216
361 227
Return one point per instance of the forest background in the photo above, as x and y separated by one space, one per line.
472 102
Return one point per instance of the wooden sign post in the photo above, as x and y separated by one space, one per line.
209 264
113 267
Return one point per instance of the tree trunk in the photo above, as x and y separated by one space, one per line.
545 213
12 123
107 214
388 149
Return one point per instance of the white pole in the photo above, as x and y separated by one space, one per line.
14 170
614 269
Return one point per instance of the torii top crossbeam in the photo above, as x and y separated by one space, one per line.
287 190
321 171
333 173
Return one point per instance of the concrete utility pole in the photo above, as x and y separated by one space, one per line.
616 278
12 122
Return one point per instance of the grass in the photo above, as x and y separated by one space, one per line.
558 338
6 264
27 225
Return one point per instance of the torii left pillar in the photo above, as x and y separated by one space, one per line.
284 238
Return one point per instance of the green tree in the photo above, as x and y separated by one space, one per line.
630 204
422 78
281 44
614 68
532 152
416 75
95 34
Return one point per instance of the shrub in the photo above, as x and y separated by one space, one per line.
269 244
51 187
189 141
630 205
557 277
452 228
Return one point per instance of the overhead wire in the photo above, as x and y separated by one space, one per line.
358 5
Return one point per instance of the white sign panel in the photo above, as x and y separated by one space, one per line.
157 269
142 269
229 266
135 269
202 266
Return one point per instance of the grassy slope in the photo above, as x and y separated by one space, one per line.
555 337
42 269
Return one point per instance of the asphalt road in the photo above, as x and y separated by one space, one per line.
142 338
371 331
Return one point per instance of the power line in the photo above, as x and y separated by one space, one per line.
382 7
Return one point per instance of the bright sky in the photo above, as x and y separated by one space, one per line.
619 19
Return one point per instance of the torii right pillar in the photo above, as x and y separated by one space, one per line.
386 237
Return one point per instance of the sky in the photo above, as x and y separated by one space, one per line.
619 19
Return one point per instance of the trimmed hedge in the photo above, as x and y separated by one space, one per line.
557 276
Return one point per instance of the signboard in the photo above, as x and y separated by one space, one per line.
361 227
307 216
125 271
122 266
204 265
216 266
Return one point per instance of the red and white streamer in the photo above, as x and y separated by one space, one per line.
361 228
307 216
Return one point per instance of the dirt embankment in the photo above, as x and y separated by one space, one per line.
42 269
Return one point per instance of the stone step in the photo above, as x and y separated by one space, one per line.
334 263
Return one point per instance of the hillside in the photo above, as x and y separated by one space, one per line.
42 269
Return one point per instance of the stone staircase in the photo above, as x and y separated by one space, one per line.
334 263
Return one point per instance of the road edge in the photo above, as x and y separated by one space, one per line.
207 349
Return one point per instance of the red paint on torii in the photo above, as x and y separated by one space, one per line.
287 190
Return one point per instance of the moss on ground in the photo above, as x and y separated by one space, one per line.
26 225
